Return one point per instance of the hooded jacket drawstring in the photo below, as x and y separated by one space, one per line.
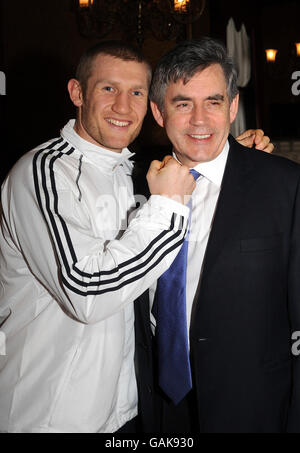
78 177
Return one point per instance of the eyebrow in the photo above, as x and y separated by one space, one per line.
115 82
180 98
139 87
216 97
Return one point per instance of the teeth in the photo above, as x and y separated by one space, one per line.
200 136
118 123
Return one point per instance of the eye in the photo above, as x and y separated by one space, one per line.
214 102
213 105
108 89
183 106
137 93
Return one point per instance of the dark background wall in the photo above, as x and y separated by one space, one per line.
270 24
40 46
280 108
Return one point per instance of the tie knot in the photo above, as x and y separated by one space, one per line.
195 173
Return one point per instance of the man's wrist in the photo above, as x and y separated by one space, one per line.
170 204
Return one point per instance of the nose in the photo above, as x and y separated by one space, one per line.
198 116
121 103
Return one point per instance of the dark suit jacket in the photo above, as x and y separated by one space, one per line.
245 376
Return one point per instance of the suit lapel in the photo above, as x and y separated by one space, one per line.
226 219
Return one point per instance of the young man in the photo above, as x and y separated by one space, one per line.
69 273
243 264
71 266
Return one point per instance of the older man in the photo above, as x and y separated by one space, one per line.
239 303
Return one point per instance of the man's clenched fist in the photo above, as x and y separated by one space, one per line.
170 179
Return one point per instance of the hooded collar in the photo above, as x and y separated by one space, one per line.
108 160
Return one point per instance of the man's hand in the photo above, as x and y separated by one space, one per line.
256 138
170 179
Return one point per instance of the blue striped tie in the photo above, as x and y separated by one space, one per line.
169 310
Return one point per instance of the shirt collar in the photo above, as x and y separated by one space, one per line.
102 157
214 169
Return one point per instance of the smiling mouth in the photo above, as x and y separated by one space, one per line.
118 123
200 137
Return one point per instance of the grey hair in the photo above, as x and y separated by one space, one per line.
185 60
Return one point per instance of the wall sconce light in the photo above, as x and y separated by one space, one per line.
284 61
271 55
85 3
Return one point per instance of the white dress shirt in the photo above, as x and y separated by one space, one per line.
204 201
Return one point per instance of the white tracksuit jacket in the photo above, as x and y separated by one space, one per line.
70 269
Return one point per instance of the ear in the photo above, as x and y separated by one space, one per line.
234 106
75 92
157 114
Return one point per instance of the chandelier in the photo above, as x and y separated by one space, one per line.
165 18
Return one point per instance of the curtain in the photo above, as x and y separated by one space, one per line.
238 47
